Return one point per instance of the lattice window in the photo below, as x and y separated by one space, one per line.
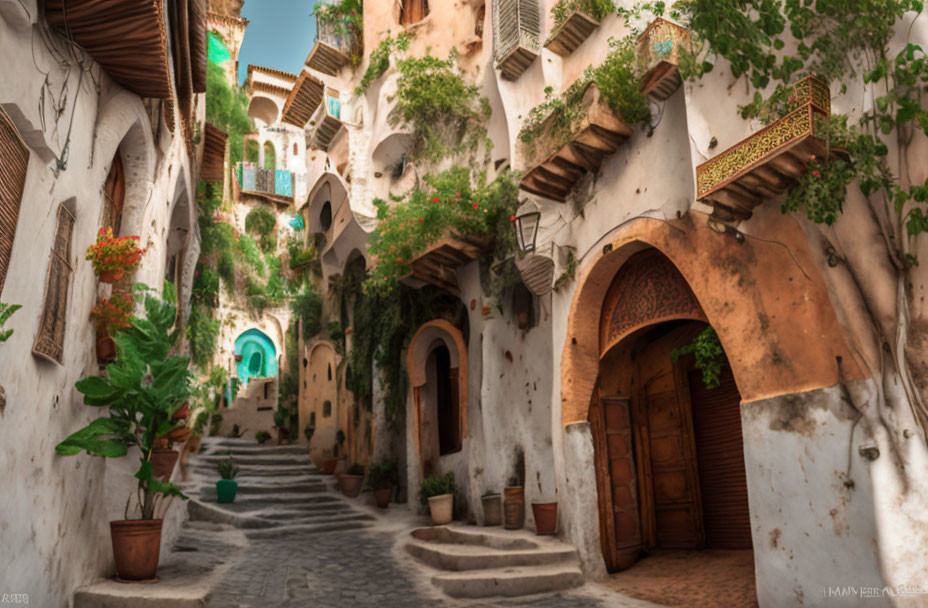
516 23
14 158
49 341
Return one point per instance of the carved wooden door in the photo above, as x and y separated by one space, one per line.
671 507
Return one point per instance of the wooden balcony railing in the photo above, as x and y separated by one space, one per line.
659 48
333 49
766 164
557 161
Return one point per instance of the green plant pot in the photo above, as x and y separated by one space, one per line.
225 490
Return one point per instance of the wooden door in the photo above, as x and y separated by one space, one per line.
114 196
720 450
413 11
671 506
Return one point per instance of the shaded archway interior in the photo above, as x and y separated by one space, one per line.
256 355
668 451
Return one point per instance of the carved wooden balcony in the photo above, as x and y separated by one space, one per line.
659 48
516 35
558 161
438 264
332 49
214 154
766 164
304 98
326 120
571 34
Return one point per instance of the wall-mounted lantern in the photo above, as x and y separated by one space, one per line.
526 223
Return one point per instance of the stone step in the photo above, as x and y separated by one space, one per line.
458 557
209 470
511 582
258 489
266 460
322 509
307 529
253 449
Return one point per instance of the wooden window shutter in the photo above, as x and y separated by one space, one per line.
516 35
14 158
49 341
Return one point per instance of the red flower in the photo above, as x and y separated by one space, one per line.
399 260
816 174
811 157
421 219
512 218
476 206
435 199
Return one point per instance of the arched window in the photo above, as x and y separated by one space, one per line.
251 151
413 11
325 216
330 372
114 196
270 156
326 409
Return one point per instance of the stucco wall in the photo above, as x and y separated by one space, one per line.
56 535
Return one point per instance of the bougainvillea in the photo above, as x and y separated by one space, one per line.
119 255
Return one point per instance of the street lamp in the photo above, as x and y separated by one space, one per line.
526 223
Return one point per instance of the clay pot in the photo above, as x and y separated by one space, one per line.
382 497
441 507
162 462
106 349
178 435
109 276
492 509
136 548
513 507
328 466
545 517
350 485
182 412
225 490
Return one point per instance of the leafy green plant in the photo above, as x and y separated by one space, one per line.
143 388
205 287
709 354
435 485
203 335
6 311
346 19
382 474
616 77
262 436
307 305
597 9
262 222
227 468
380 60
446 202
227 109
445 114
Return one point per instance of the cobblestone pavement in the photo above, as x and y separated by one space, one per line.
345 569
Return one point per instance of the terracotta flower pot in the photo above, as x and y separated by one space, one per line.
492 509
136 548
162 462
182 412
110 276
545 517
514 507
178 435
350 485
441 508
328 465
382 497
106 349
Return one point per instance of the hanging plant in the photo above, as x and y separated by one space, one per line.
709 354
113 257
380 60
114 313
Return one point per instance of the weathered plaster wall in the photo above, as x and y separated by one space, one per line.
55 536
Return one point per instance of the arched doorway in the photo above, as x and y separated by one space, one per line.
256 356
437 365
114 195
668 447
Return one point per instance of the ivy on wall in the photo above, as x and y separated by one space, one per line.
380 60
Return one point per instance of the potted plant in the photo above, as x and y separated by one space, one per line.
142 388
438 493
281 419
226 487
328 462
111 315
514 504
114 257
492 508
350 481
545 517
381 476
262 436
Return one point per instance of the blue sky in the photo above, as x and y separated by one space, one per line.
280 35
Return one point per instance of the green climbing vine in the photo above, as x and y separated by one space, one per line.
380 60
709 355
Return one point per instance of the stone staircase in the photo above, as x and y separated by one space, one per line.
279 491
468 562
